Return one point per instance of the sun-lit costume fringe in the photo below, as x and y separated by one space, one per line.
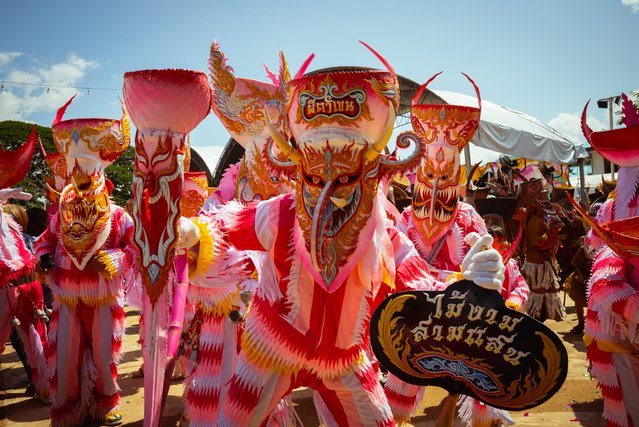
21 297
612 320
280 339
214 292
80 351
612 336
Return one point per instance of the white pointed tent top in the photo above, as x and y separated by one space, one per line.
517 134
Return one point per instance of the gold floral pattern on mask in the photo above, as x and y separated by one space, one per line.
107 138
455 126
254 182
85 211
337 189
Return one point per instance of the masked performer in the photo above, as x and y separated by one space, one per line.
328 253
21 301
540 246
89 241
612 319
220 299
438 223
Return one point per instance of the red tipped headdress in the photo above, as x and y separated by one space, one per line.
620 146
15 164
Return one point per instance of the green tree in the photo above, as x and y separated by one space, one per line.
15 133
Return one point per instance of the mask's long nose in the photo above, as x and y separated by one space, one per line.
321 215
433 199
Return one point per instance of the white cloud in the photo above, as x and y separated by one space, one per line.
634 4
569 124
18 102
7 57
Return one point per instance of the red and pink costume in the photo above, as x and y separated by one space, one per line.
89 239
328 253
612 319
21 300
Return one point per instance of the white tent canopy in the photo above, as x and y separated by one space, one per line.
516 134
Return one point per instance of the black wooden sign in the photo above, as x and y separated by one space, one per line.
466 340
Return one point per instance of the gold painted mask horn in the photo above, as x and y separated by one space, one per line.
288 150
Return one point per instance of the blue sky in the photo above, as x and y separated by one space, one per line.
545 58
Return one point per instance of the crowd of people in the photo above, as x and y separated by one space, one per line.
273 276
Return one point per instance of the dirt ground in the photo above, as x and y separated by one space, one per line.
577 403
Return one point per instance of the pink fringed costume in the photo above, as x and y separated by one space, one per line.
89 239
437 221
318 280
239 104
21 300
221 295
612 319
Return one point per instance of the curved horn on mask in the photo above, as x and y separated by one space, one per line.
584 125
422 88
410 163
61 111
378 146
125 126
279 139
273 158
15 164
52 190
472 82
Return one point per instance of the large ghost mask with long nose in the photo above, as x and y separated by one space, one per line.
444 130
88 145
339 123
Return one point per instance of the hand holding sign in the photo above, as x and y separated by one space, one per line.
483 264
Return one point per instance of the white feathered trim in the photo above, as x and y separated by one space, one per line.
284 414
37 358
477 414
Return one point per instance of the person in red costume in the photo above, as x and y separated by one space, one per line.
440 225
328 251
21 301
612 320
89 243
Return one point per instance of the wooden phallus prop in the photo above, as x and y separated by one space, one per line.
165 106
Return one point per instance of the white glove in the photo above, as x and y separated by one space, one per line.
483 264
188 234
13 193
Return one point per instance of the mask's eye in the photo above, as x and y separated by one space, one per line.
445 177
348 179
314 180
430 175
